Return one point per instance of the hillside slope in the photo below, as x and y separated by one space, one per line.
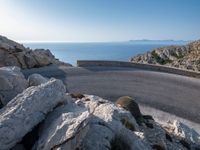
184 57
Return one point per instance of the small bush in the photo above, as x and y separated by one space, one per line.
159 59
177 56
140 120
118 143
129 104
127 124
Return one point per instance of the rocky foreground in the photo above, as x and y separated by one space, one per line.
184 57
37 113
15 54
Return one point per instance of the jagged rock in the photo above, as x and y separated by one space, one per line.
87 124
27 109
155 135
12 82
185 132
36 79
184 57
14 54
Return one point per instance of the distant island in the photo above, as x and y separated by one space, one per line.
148 41
184 57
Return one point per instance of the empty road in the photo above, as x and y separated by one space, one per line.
171 93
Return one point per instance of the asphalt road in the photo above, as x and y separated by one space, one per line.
178 95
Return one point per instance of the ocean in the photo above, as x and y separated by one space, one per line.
122 51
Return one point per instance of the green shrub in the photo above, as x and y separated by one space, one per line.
127 124
177 56
130 104
159 59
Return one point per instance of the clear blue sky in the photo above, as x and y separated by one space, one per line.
99 20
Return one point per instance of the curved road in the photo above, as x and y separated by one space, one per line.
171 93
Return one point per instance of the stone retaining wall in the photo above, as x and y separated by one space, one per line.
93 63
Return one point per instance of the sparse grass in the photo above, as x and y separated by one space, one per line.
118 143
127 124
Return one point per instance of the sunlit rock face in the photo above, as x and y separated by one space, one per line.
28 109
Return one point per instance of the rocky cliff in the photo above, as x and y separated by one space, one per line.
42 116
184 57
15 54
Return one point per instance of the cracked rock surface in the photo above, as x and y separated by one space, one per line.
90 123
28 109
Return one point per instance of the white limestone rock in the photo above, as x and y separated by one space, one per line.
28 109
12 82
88 124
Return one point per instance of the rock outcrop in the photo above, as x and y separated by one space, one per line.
44 117
14 54
89 123
184 57
28 109
12 82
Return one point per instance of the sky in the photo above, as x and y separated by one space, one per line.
99 20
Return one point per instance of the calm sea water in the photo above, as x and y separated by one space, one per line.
71 52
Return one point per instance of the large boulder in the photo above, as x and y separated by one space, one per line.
28 109
15 54
12 82
88 124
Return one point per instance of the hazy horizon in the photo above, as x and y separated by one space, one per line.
133 41
99 21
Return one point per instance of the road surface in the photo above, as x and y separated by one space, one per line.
178 95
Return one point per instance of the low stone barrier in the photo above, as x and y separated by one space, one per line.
93 63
